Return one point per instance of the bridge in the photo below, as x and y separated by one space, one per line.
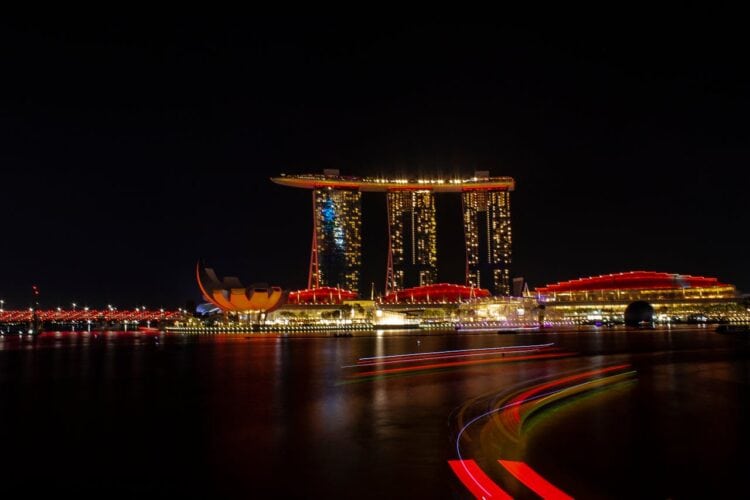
83 315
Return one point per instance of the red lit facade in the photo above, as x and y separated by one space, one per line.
675 298
323 295
640 280
439 292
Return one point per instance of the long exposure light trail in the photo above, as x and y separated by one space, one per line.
532 480
469 362
476 481
434 357
533 394
513 423
456 351
516 402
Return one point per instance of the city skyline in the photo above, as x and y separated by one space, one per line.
152 153
514 263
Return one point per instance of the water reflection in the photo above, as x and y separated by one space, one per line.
155 415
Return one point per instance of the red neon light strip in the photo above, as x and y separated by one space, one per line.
532 480
462 363
476 481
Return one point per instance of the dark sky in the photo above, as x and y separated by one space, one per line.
129 149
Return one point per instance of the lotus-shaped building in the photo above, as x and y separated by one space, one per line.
230 295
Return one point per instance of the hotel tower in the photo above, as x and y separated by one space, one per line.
336 256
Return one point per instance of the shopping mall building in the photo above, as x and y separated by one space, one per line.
665 297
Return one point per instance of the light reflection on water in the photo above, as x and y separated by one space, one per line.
263 415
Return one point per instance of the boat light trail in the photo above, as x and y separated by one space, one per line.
469 424
434 357
451 364
532 480
457 351
533 394
476 481
522 398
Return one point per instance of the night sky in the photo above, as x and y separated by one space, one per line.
129 148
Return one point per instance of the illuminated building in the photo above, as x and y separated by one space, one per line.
674 298
229 295
412 229
412 249
336 256
488 239
436 293
322 295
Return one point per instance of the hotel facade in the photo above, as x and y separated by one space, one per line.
336 254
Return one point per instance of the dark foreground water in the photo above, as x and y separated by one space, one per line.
144 416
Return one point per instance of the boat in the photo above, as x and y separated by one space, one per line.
148 329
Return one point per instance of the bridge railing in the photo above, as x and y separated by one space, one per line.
14 316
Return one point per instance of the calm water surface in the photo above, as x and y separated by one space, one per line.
124 415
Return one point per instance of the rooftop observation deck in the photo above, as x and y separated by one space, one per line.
452 185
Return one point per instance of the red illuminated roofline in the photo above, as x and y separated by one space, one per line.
644 280
437 291
311 295
381 185
323 290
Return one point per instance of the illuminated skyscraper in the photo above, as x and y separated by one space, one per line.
412 230
337 239
488 239
412 249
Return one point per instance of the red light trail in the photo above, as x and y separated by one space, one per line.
515 404
429 356
453 364
508 411
532 480
476 481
